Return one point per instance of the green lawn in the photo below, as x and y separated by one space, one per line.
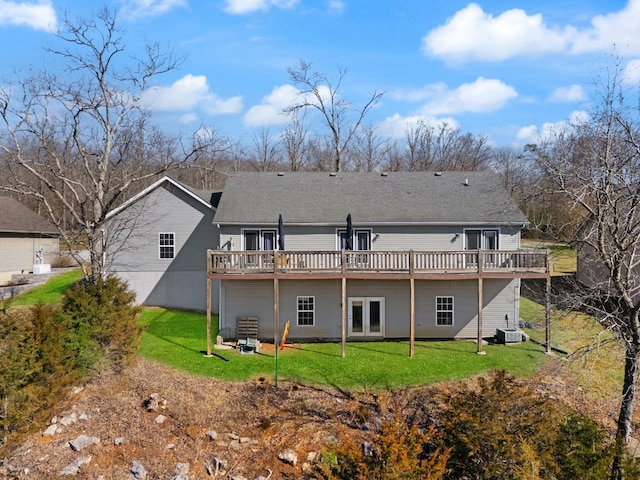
178 339
48 293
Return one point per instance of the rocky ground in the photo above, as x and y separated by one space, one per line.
156 423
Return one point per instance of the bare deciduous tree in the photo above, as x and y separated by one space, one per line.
294 141
322 94
369 150
596 166
88 131
266 155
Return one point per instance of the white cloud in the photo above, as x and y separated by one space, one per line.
337 6
396 125
191 92
572 93
39 15
617 28
149 8
269 111
482 95
534 134
472 34
239 7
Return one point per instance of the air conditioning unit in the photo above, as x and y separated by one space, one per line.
508 335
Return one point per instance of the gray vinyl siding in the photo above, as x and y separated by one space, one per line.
386 238
178 282
255 298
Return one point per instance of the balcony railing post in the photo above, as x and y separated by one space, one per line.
344 261
411 262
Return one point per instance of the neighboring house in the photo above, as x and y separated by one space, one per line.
157 241
434 255
23 236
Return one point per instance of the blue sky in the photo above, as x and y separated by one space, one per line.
503 69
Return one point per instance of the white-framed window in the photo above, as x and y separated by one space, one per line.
361 239
306 311
166 245
256 239
444 311
477 239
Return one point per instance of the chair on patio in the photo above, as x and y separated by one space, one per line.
247 334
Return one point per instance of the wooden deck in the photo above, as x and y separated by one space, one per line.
378 264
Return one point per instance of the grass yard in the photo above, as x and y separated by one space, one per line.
179 338
594 359
563 257
47 294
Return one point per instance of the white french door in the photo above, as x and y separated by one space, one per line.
366 316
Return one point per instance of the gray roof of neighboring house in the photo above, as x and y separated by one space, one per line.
370 198
17 218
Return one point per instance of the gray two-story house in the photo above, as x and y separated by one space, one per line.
365 256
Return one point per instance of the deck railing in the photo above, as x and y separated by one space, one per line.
237 262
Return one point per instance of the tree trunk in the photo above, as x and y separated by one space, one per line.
626 408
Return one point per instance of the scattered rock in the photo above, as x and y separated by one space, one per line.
181 472
311 456
212 435
137 471
74 467
288 456
83 441
50 431
160 419
213 466
83 417
69 419
118 441
151 404
76 390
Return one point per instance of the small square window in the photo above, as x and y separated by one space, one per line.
167 245
306 311
444 311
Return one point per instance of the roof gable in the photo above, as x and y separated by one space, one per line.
204 197
18 218
371 198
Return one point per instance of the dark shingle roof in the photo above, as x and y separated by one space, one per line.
371 198
17 218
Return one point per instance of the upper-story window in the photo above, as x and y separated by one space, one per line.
166 245
481 239
260 240
361 240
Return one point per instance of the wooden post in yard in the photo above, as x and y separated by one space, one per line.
208 316
547 307
480 304
344 315
412 314
276 311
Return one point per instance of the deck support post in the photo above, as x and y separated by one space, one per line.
412 311
480 303
344 316
208 316
547 306
276 311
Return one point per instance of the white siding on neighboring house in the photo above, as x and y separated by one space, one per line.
18 253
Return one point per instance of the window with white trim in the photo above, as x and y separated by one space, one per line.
361 239
259 240
166 245
444 311
306 311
